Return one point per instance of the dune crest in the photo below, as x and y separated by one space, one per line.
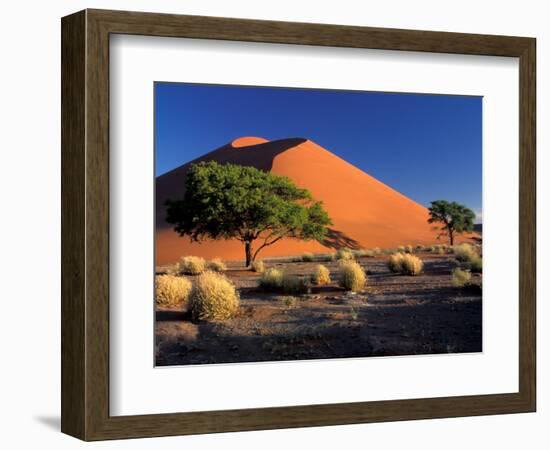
365 212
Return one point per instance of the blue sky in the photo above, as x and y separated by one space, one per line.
427 147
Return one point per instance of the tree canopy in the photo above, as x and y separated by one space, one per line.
228 201
454 217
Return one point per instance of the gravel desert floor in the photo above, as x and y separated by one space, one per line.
394 315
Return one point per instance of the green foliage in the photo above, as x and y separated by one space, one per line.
213 297
228 201
453 217
352 276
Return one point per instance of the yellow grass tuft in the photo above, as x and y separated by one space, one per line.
213 297
307 257
352 276
461 277
321 275
344 254
216 265
293 284
171 290
257 266
405 264
464 252
272 279
192 265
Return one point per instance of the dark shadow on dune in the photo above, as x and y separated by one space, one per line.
336 239
171 185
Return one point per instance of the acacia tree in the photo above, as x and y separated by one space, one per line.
228 201
454 217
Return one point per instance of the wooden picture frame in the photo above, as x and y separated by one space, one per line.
85 224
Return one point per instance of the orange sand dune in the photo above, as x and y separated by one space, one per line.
365 212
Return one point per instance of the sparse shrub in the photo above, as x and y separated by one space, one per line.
352 276
411 265
289 301
321 275
395 262
172 269
464 252
408 249
405 264
271 279
293 284
476 264
257 266
192 265
376 251
401 249
171 290
213 297
307 257
344 254
461 277
360 253
216 265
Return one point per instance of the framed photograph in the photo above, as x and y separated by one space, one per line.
272 225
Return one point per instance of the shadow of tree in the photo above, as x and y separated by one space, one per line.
336 239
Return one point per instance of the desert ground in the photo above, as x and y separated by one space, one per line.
394 315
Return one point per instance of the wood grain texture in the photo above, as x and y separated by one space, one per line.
73 227
85 224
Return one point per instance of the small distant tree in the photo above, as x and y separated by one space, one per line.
227 201
453 217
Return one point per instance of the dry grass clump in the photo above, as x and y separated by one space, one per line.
395 262
464 252
344 254
352 276
171 290
216 265
405 264
257 266
307 257
321 275
271 279
289 301
293 284
172 269
213 297
476 264
409 249
461 277
192 265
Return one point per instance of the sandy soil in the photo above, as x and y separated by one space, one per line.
395 315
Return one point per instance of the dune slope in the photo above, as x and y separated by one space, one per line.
365 212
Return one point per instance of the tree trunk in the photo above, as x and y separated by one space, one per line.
451 237
248 252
